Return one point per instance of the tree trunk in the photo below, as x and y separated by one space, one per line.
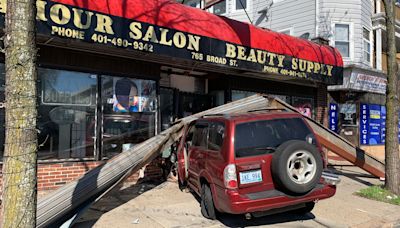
19 169
392 157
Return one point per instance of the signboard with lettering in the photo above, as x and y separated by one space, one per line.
373 124
175 31
364 124
383 125
333 117
368 83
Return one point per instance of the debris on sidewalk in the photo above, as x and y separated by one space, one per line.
136 221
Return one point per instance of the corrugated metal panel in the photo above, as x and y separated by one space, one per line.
54 207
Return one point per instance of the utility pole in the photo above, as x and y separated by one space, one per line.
20 155
392 157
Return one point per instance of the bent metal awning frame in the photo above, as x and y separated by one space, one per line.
178 32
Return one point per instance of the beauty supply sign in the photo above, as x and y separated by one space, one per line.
77 21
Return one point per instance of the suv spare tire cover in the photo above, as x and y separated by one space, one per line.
296 167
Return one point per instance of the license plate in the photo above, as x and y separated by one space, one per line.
250 177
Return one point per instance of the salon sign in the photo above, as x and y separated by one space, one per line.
81 20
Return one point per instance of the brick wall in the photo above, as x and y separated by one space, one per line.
53 176
322 104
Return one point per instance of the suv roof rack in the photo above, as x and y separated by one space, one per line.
269 109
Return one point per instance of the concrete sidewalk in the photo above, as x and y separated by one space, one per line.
164 205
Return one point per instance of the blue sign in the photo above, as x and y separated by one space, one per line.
383 125
333 117
375 122
364 124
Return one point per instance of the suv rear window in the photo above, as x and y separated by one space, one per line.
264 136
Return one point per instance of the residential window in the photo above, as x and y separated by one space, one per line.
195 4
219 8
241 4
286 31
342 39
367 45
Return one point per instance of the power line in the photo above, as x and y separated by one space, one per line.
245 10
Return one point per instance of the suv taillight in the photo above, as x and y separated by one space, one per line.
230 177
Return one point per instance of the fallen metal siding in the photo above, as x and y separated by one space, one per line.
56 206
340 145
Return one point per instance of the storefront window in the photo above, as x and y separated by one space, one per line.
303 105
66 114
238 94
347 115
282 97
129 111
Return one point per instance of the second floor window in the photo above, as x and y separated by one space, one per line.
241 4
342 39
367 45
219 8
195 4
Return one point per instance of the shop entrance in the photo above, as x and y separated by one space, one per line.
191 103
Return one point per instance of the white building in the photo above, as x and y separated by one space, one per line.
357 29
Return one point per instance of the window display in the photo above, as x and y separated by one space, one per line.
129 111
347 114
303 105
66 120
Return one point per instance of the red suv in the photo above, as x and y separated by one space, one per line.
255 164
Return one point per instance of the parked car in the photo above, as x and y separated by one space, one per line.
255 164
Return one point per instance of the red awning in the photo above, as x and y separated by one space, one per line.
174 15
208 37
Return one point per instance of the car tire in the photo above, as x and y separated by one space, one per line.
207 203
304 210
296 167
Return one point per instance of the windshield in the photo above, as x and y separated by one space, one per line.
264 136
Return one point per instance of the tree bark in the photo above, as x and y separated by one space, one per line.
20 155
392 157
